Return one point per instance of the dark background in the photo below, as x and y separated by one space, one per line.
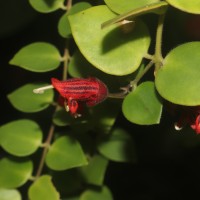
168 161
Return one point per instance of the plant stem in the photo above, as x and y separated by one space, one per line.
45 150
140 75
65 65
158 47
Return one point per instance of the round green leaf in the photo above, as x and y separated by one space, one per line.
46 6
62 118
9 194
42 189
142 106
20 137
103 48
192 6
117 146
37 57
14 172
178 80
120 7
65 153
25 100
103 194
94 172
63 26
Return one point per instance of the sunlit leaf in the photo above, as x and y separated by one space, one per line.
46 6
14 172
20 137
103 48
143 106
42 189
65 153
63 25
178 80
25 100
117 146
192 6
9 194
120 7
37 57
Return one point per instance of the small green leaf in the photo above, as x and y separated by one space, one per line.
14 172
142 106
63 26
103 48
103 194
65 153
62 118
25 100
120 7
117 146
46 6
94 172
42 189
9 194
20 137
178 80
192 6
37 57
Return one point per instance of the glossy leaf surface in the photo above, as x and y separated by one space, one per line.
117 146
94 172
37 57
143 106
120 7
192 6
14 172
65 153
178 80
63 25
43 188
9 194
46 6
25 100
103 48
102 194
20 137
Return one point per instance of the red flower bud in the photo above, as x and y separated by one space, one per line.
91 91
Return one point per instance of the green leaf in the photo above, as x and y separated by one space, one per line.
103 48
9 194
37 57
65 153
192 6
23 98
14 172
42 189
142 106
63 26
62 118
117 146
20 137
94 172
120 7
178 80
102 194
46 6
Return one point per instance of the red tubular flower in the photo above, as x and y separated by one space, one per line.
91 91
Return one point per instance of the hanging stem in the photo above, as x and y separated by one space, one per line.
45 150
